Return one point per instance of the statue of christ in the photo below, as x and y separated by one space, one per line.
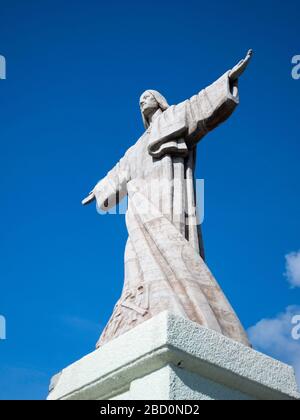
165 267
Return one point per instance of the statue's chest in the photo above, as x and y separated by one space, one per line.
142 164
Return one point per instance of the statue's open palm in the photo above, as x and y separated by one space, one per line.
239 69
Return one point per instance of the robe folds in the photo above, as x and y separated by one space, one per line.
164 256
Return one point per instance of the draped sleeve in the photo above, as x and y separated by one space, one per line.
209 108
113 188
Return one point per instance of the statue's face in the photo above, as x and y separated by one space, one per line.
148 103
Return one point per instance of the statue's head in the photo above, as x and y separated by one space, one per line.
150 102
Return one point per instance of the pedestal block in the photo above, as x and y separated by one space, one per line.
172 358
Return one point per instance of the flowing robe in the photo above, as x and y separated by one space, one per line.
164 259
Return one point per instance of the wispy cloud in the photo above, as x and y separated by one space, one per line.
274 337
81 324
293 268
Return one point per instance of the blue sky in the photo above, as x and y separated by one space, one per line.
69 110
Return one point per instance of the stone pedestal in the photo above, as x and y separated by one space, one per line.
171 358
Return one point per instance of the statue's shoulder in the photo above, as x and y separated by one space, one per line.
173 116
139 144
174 111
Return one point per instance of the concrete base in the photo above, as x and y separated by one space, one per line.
171 358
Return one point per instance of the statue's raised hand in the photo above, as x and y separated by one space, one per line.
89 199
239 69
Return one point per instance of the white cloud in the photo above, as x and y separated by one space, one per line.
293 268
274 337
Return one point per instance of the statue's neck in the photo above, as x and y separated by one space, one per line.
154 116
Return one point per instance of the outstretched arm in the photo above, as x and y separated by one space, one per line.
112 188
215 104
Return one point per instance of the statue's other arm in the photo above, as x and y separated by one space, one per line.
111 189
215 104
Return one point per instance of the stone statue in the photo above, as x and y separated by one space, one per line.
164 257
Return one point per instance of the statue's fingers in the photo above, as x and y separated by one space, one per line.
249 56
85 201
240 63
88 199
